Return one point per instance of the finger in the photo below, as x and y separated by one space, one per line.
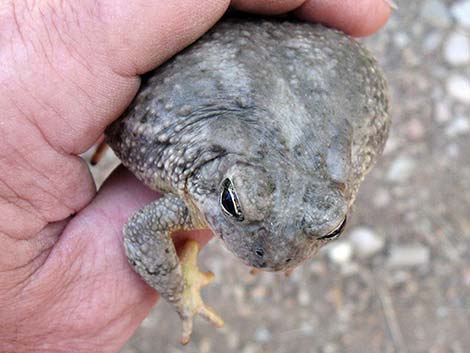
90 52
355 17
159 30
268 7
70 69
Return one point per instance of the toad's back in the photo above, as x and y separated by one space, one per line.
307 94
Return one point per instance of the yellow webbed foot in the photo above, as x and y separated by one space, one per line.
191 303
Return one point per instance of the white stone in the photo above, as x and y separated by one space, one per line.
432 41
401 39
457 49
262 334
459 126
303 297
340 252
453 150
381 198
251 348
459 88
436 13
366 242
442 112
401 169
415 129
461 12
408 256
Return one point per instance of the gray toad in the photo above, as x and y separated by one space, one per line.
261 131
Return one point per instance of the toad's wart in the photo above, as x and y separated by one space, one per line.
261 131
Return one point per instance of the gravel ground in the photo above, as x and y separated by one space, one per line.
399 278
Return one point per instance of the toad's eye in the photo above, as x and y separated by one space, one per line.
335 232
229 201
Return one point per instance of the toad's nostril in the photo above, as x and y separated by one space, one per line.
259 252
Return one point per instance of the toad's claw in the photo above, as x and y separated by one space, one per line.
191 302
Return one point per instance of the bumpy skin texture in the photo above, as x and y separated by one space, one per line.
292 114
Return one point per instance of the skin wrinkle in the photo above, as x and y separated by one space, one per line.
30 260
34 304
45 106
84 280
15 19
45 190
51 302
59 196
47 239
38 260
71 49
20 284
15 201
91 100
41 102
33 122
21 29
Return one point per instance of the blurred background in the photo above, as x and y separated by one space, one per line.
398 280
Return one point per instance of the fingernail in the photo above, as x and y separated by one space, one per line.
393 5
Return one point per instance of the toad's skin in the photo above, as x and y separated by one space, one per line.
261 131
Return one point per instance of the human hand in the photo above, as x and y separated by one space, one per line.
68 69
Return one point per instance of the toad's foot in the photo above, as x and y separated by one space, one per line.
151 252
191 302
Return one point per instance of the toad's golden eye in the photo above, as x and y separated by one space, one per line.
229 201
335 232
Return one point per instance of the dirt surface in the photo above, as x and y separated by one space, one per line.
399 278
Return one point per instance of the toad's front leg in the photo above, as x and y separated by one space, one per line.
152 254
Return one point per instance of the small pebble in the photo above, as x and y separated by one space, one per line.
452 150
459 87
401 169
340 252
415 129
408 256
366 242
381 198
349 269
251 348
457 49
306 328
401 39
436 13
233 339
259 292
442 112
461 12
303 297
432 41
262 334
205 346
458 126
330 347
398 278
